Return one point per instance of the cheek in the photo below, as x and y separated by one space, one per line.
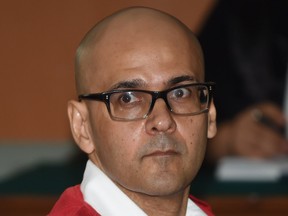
194 131
195 134
115 143
117 152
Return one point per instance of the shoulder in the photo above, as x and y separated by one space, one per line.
203 205
71 203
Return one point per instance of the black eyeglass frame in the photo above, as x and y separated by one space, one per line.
105 97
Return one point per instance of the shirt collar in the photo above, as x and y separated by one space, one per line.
107 199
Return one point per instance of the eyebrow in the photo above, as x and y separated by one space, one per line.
179 79
135 83
139 83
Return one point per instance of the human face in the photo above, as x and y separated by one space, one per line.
159 155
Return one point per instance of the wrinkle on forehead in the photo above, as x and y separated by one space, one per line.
127 28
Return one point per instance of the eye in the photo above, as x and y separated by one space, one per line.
128 98
181 93
203 96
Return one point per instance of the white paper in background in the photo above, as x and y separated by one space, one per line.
243 169
20 157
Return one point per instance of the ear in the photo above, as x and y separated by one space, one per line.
78 117
212 128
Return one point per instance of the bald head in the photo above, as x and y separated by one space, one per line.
124 30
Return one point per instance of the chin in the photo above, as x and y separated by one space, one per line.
163 186
162 192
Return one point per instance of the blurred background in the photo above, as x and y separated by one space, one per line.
38 158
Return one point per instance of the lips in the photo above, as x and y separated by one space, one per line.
162 153
162 145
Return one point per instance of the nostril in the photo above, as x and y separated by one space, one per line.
154 129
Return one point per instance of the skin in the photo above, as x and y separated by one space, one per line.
152 160
245 136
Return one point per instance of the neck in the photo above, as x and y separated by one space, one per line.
168 205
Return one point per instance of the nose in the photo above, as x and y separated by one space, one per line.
160 119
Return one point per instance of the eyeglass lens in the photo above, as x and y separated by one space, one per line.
137 104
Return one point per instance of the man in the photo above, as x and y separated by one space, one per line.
143 117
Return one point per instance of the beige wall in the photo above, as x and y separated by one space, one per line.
38 41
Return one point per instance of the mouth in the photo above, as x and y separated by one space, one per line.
160 153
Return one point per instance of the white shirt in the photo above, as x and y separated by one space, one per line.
107 199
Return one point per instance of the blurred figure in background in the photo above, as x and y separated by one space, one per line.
245 44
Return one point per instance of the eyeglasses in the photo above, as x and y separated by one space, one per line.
134 104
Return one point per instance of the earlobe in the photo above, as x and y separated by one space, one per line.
212 128
77 114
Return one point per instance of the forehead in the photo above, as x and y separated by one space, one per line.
154 52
